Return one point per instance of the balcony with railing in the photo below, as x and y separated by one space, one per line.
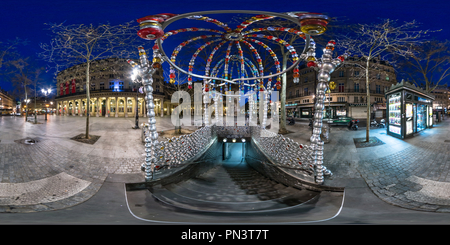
97 91
337 91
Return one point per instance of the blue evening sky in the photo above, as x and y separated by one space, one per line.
25 19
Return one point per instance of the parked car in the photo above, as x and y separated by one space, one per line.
343 120
18 114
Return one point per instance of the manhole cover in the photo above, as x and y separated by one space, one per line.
27 141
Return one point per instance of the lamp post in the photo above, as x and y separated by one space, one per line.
26 108
46 92
136 80
46 109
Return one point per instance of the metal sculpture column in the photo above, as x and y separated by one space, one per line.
325 67
145 71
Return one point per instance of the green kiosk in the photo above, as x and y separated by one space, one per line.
409 110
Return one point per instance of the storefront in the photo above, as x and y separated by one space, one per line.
305 111
291 110
409 110
334 110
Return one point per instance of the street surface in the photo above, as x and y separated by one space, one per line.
61 181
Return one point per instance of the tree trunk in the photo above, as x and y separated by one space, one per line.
88 100
26 104
367 101
282 129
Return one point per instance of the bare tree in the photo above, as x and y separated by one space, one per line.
75 44
430 64
25 75
370 41
8 50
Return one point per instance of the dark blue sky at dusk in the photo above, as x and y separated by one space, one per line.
25 19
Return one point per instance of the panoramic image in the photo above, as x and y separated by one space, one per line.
213 114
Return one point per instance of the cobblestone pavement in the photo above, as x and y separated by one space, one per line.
56 172
412 173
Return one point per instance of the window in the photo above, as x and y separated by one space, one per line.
341 87
356 73
355 99
102 85
121 105
341 99
341 73
111 85
120 85
356 87
297 93
305 91
306 80
378 89
112 105
92 86
129 106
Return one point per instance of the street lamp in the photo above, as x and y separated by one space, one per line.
26 109
136 79
46 92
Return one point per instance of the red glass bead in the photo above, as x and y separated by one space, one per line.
151 33
311 64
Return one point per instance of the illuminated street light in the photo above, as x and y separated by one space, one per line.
46 92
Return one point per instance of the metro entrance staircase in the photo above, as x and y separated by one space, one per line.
231 187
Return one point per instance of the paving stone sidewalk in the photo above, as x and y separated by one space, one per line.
57 172
415 177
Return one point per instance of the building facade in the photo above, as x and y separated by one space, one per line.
442 97
40 105
112 93
349 97
7 103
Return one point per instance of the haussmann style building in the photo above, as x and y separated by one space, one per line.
349 97
112 93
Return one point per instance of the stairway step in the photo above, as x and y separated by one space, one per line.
231 188
176 200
